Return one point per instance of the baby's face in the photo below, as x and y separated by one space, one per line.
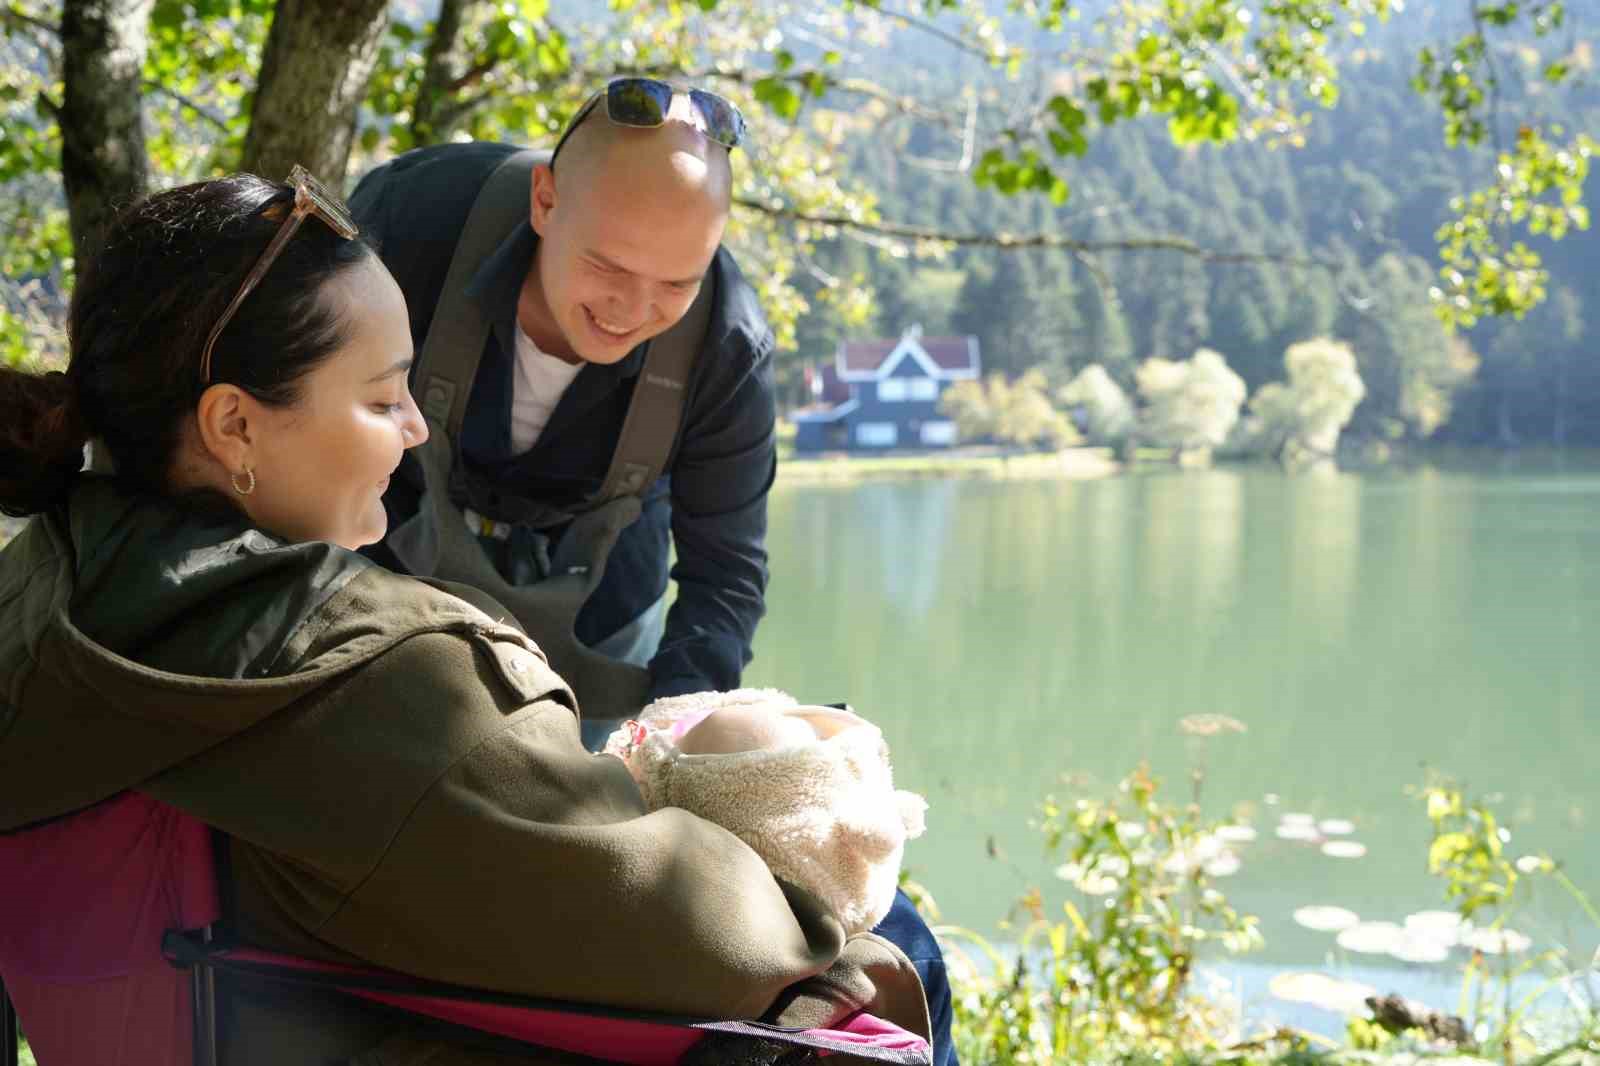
731 729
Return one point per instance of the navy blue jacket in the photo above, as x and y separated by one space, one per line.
713 497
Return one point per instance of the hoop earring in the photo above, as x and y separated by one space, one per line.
248 489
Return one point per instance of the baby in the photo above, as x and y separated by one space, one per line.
809 788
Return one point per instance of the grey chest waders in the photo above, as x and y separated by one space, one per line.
437 542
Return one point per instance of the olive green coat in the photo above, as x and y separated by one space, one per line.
400 777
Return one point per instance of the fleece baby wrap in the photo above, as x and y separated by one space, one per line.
824 814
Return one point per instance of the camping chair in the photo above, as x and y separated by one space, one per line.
109 950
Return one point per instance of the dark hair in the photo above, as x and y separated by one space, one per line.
140 314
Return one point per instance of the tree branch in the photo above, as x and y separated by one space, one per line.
474 75
9 13
183 101
1493 80
450 115
944 35
1010 241
45 37
799 76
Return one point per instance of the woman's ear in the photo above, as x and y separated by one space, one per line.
229 428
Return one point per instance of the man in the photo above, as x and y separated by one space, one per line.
624 227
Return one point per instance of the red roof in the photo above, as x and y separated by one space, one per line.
947 353
951 353
863 357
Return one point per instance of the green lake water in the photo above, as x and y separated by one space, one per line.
1017 638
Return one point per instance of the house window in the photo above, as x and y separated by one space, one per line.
892 390
924 389
938 434
877 434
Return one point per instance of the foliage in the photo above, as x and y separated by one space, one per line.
1470 852
30 327
199 77
1190 404
1305 414
1115 975
1027 94
1010 412
508 76
1107 409
1537 186
1111 980
1427 392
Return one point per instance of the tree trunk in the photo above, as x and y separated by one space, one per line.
431 117
103 47
314 74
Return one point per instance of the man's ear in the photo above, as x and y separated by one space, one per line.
228 432
542 197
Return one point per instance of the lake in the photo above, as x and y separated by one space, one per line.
1363 627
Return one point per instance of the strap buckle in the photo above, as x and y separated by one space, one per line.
484 526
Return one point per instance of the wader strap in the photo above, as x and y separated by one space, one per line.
436 542
449 358
451 352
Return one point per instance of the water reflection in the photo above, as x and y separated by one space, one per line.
1362 627
1324 536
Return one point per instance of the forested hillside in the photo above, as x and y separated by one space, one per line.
1365 193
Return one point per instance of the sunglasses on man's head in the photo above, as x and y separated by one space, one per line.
310 198
645 102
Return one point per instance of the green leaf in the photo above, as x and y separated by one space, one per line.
779 97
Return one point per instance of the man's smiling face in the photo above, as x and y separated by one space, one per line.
628 228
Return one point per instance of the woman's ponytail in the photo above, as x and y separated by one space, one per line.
42 434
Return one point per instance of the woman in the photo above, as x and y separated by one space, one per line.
399 774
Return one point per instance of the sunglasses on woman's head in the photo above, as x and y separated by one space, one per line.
310 198
645 102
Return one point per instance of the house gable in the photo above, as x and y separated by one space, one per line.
940 358
909 359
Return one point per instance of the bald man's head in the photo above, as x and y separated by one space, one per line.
677 153
629 222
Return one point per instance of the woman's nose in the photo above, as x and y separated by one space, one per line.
416 427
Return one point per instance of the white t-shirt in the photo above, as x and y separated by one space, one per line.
537 385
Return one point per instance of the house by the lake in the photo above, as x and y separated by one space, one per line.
883 394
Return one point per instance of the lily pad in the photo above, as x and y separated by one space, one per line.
1343 849
1224 865
1443 927
1326 919
1372 938
1496 941
1320 990
1301 831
